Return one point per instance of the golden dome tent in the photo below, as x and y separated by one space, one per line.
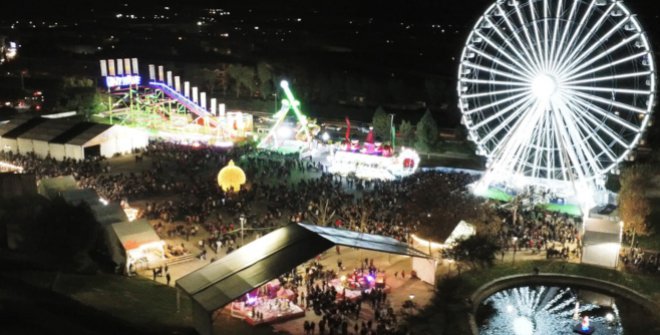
231 177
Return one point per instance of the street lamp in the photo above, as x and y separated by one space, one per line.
242 220
515 247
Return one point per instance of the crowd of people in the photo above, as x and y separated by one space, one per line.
637 259
539 230
178 187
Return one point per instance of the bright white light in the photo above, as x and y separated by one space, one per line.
523 326
325 136
284 131
103 201
284 84
544 87
609 317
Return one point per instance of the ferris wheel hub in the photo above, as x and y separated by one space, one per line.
544 86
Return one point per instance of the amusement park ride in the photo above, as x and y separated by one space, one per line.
167 110
163 108
369 160
372 160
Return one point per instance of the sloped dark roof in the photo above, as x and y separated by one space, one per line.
74 131
258 262
23 127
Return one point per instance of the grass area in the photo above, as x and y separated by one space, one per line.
569 209
497 194
139 302
651 242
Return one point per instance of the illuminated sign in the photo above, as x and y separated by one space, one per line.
112 81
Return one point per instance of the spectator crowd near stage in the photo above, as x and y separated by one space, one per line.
177 190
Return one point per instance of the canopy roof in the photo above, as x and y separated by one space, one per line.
258 262
52 187
134 234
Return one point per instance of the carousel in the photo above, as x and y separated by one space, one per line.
270 303
352 286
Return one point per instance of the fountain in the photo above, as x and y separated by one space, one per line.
547 310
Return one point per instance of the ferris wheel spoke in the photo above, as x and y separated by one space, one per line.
584 152
561 47
530 58
555 30
566 154
520 60
494 93
575 35
519 139
492 82
608 90
506 122
568 146
530 44
610 102
546 50
608 115
613 77
575 67
585 121
497 72
539 145
607 66
601 125
499 114
538 43
513 66
569 57
496 103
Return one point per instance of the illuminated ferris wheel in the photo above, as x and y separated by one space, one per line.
556 91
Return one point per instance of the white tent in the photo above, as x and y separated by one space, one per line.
141 245
601 242
37 139
105 141
461 231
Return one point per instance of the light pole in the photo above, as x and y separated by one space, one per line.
515 247
242 220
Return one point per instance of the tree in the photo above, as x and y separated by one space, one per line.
381 123
243 77
324 213
634 206
265 74
478 250
366 210
406 133
427 132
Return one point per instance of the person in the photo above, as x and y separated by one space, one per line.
403 274
312 325
154 272
168 278
536 270
306 326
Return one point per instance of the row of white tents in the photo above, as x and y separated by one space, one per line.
64 138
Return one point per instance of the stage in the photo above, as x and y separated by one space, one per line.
351 287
